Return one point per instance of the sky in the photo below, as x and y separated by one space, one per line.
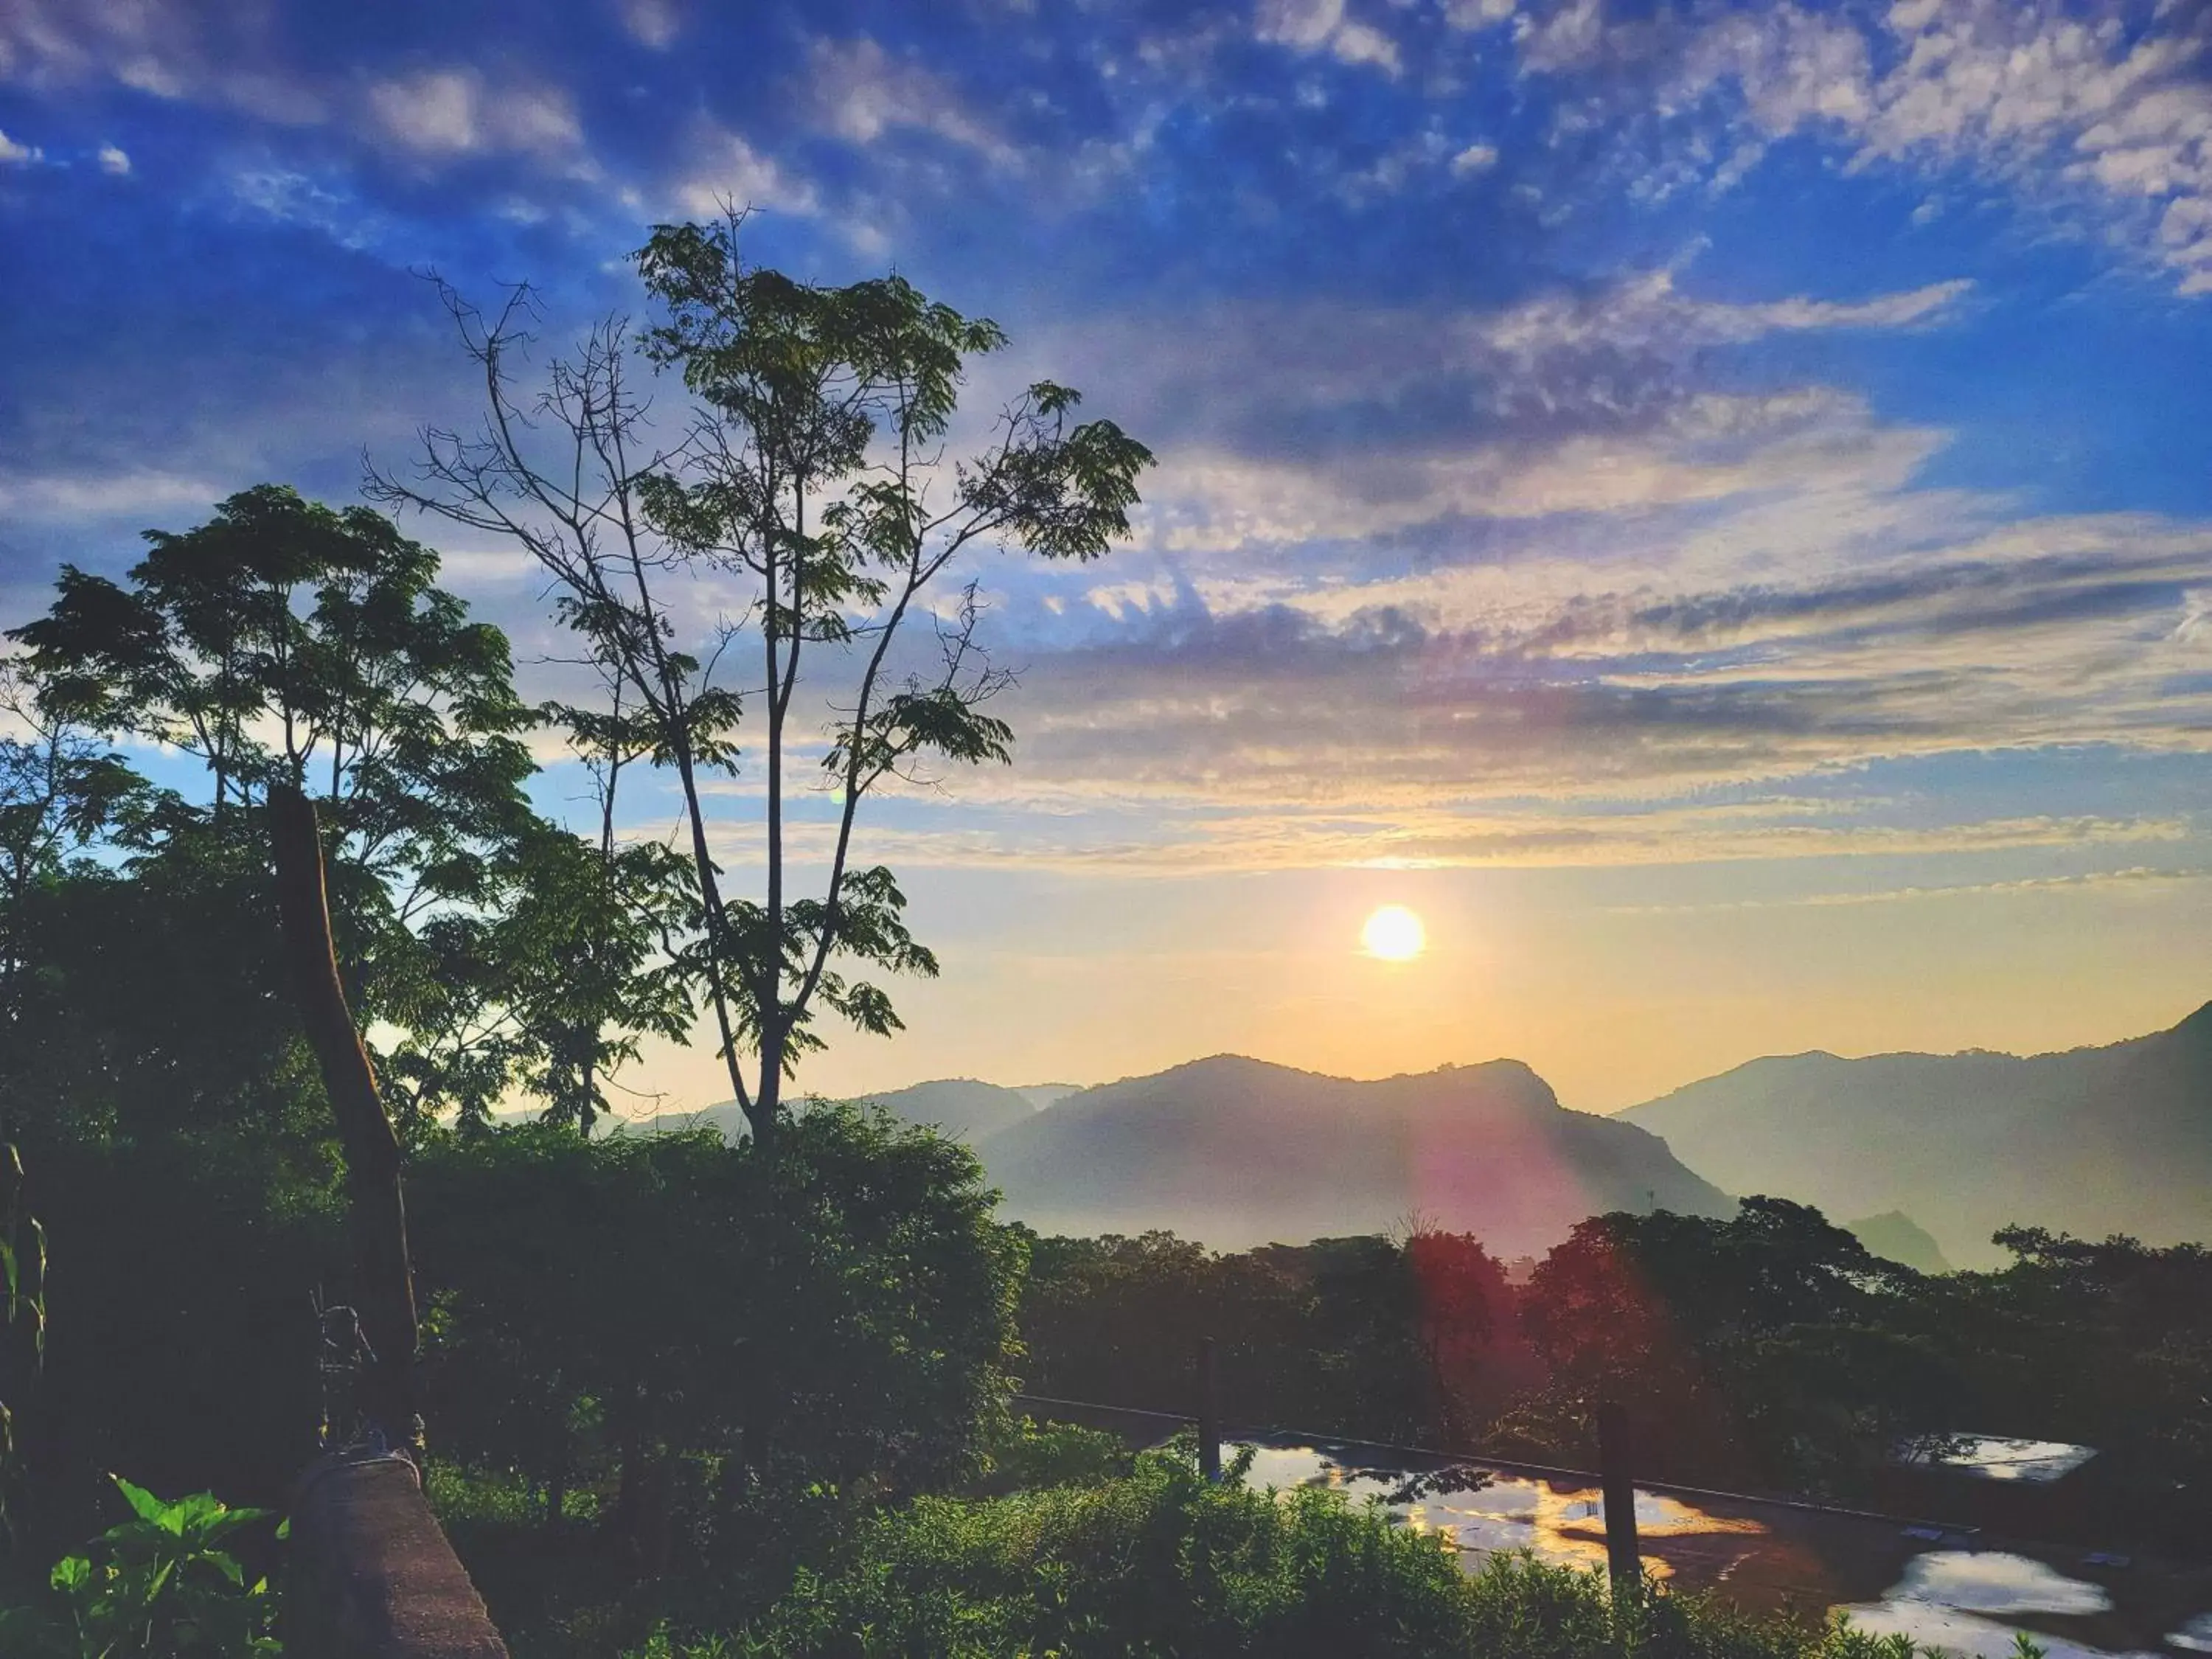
1710 506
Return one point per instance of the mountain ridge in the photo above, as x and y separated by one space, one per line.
2099 1139
1237 1151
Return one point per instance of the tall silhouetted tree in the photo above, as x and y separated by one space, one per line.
809 475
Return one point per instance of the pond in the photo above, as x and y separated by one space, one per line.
1941 1589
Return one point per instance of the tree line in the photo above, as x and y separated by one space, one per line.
1771 1351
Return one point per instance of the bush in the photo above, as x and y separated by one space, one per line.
717 1356
1162 1562
840 1310
1024 1454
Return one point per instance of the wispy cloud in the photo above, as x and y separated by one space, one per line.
2142 879
2105 107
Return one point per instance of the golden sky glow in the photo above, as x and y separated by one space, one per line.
1616 985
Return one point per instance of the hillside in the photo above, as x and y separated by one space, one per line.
964 1108
2092 1141
1239 1152
1896 1236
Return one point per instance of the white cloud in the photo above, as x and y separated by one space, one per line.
222 56
1710 448
1659 656
1306 24
721 169
860 92
1363 43
653 24
107 494
452 112
1475 158
1316 25
113 160
296 199
1477 14
14 153
1608 584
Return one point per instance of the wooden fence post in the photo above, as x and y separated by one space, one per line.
1618 1479
386 1291
1209 1412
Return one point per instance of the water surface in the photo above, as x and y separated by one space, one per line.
1942 1589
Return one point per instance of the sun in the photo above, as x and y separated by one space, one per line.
1394 934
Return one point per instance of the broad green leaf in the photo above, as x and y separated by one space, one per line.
145 1504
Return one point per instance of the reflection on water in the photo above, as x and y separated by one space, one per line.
1993 1581
1994 1457
1891 1580
1967 1634
1562 1525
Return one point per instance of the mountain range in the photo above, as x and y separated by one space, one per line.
1933 1152
2092 1141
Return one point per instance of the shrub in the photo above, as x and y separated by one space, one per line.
1161 1562
840 1310
1024 1454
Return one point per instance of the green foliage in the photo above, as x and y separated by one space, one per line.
838 1311
2107 1344
1771 1347
164 1584
283 640
810 481
1021 1453
1391 1339
1162 1562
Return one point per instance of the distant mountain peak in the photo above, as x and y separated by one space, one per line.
1236 1151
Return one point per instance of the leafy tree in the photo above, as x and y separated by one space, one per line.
1414 1318
2105 1343
841 1311
285 641
805 476
583 957
1385 1339
1764 1348
59 792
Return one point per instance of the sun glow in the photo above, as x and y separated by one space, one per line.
1394 934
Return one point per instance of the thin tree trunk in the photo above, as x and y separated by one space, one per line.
386 1291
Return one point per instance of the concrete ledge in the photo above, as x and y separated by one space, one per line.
371 1574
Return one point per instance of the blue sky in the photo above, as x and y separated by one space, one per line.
1713 504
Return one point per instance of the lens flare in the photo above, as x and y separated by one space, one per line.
1394 934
